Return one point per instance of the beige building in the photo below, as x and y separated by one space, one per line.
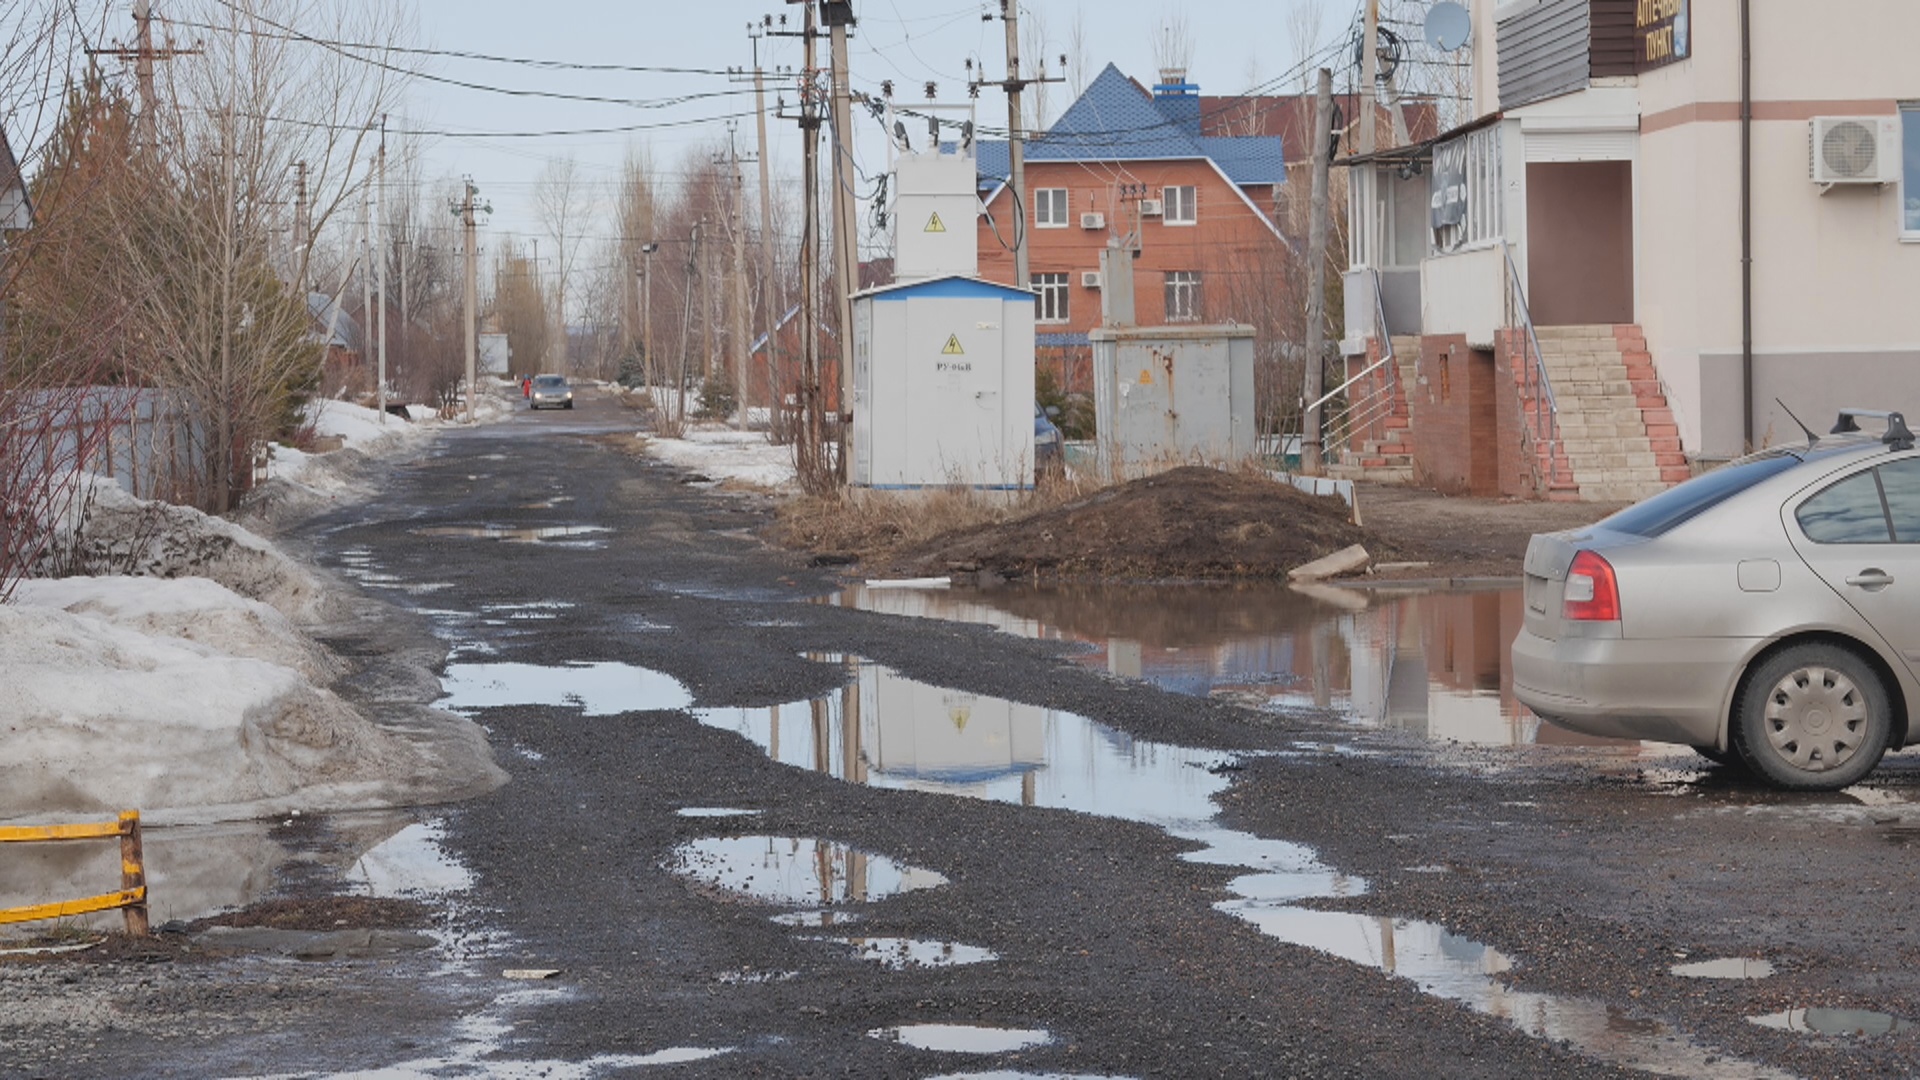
1648 236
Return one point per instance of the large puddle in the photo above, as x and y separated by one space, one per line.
883 729
1434 664
596 689
796 870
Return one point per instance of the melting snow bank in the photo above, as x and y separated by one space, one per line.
725 455
195 704
182 681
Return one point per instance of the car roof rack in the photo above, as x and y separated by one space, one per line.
1898 435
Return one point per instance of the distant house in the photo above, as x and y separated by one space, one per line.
331 328
16 209
1124 160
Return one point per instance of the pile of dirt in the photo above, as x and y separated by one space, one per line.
1190 523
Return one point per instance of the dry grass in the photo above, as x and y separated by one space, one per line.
874 525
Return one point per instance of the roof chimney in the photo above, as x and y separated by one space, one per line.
1178 99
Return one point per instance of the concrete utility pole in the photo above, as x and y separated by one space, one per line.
1369 73
1310 449
143 54
769 273
838 15
465 210
367 347
646 310
379 252
742 347
808 454
686 320
1016 142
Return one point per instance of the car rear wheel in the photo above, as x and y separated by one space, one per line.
1812 718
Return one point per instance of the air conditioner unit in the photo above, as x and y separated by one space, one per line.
1151 208
1855 149
1093 221
1089 279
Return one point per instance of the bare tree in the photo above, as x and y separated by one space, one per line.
563 203
1079 53
1306 26
1173 43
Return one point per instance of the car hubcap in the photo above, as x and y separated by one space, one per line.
1816 718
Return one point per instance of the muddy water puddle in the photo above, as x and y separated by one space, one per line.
902 954
201 870
963 1038
790 870
1732 968
596 689
1433 664
570 535
884 729
1843 1023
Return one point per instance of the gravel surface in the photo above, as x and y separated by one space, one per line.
1590 872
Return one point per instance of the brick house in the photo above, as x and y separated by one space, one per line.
1127 160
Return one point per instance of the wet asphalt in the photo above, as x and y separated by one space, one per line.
1590 875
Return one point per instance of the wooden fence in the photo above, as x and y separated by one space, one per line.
132 896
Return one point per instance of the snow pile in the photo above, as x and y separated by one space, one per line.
736 457
109 532
99 717
197 610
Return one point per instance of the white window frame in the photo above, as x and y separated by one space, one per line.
1180 209
1183 295
1052 299
1909 186
1050 207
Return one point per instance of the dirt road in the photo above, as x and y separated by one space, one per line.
1365 903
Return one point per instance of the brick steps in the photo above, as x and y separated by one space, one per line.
1619 440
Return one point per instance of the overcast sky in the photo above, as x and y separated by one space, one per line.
1235 44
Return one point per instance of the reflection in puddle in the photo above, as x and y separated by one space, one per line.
899 954
883 729
480 1042
963 1038
596 689
513 536
1845 1022
1433 664
793 870
1732 968
818 919
411 862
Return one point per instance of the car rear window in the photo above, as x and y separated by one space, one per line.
1681 503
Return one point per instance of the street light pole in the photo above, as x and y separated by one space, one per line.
646 307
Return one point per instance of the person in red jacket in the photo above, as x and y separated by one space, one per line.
526 387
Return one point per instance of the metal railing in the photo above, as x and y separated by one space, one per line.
1540 419
1374 399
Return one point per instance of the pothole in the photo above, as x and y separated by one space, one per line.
1730 968
964 1038
899 954
513 535
596 689
1847 1023
796 870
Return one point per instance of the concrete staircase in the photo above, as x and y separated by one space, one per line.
1619 442
1384 453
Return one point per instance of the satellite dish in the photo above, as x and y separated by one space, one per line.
1448 26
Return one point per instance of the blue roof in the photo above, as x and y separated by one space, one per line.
1114 120
971 288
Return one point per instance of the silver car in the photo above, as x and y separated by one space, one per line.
550 392
1765 613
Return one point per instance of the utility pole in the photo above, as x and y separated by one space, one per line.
838 15
143 53
646 311
1310 448
379 251
742 347
300 239
686 320
367 348
1369 73
465 210
769 273
1016 137
808 455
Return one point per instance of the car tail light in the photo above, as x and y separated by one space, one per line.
1592 593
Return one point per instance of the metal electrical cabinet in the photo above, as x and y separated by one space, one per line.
943 386
1166 396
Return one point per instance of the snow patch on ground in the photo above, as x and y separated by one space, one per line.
729 456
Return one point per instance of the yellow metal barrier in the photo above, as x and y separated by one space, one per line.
132 897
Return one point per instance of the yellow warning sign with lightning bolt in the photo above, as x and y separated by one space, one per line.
953 346
934 224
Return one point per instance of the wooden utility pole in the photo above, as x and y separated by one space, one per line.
466 210
143 53
379 252
1310 449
